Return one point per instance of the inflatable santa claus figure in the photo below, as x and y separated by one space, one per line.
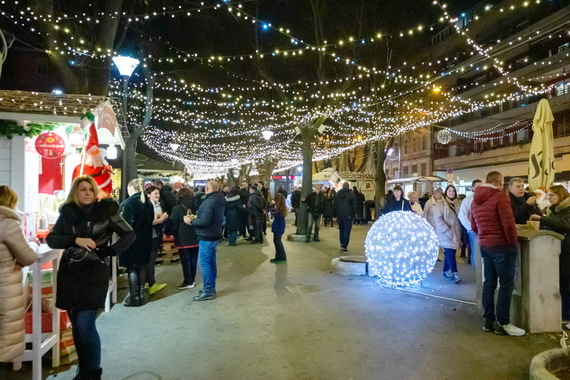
93 164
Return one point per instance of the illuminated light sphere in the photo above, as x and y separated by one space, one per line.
443 136
401 248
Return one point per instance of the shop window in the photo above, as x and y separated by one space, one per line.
414 170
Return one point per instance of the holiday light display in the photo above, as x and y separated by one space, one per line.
401 248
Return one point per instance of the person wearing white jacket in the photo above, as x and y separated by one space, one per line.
465 219
15 253
429 208
448 231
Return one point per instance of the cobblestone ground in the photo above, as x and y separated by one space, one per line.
300 321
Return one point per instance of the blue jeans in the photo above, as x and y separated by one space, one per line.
232 236
344 228
86 339
449 263
316 220
498 263
475 250
208 266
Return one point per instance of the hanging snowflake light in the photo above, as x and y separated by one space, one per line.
444 136
401 248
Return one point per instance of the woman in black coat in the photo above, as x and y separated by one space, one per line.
88 223
235 210
139 213
185 236
558 220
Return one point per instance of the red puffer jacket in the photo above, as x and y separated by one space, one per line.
492 218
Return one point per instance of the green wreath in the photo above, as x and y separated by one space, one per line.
10 128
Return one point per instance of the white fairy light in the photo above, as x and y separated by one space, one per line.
401 248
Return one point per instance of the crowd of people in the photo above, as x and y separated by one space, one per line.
482 226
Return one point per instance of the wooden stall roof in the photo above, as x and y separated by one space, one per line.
56 108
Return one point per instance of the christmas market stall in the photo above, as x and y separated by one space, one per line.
46 140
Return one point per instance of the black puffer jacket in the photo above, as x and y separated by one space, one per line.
210 217
184 234
87 289
558 220
139 216
256 203
345 204
234 212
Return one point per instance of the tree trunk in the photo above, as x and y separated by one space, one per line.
380 176
307 136
232 181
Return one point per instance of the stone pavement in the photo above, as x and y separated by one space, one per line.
300 321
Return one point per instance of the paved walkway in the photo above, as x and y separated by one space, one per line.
300 321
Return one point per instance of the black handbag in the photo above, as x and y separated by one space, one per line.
79 258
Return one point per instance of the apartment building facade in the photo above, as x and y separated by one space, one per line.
533 46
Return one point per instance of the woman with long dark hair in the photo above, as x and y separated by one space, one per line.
278 210
185 237
88 223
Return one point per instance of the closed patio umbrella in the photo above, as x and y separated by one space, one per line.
541 158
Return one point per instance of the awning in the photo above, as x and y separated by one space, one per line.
43 107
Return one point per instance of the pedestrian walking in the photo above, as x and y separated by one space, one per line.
558 220
328 208
84 222
344 211
278 210
208 223
15 253
185 238
359 200
448 230
431 204
493 221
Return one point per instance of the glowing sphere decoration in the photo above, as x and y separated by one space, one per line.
401 248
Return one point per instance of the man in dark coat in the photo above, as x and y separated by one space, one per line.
256 207
296 202
244 197
493 221
359 205
282 190
344 209
522 203
315 204
208 223
138 212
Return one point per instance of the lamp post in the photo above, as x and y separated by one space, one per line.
126 66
